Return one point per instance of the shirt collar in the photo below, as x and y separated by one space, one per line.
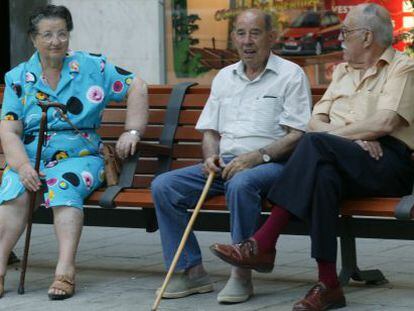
34 65
272 65
66 75
387 56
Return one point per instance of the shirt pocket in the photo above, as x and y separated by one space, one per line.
265 114
367 105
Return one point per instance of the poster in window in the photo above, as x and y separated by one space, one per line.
198 34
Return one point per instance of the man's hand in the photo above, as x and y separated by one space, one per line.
29 177
373 147
213 164
127 144
240 163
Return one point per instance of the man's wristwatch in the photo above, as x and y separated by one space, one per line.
265 157
134 132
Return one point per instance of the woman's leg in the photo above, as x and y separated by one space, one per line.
68 223
13 218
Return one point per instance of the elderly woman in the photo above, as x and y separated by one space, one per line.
71 163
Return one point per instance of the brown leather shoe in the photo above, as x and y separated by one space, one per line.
245 255
321 298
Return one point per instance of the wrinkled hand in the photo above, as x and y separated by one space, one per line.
240 163
212 164
29 177
126 145
373 147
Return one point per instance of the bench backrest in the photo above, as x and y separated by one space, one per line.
187 140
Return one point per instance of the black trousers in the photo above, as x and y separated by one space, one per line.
324 169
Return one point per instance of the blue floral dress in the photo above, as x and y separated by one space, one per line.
73 166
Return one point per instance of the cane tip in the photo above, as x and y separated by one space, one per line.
20 291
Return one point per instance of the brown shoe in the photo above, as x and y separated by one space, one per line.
321 298
245 255
63 283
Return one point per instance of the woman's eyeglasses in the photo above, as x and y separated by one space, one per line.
48 36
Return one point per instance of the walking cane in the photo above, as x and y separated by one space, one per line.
33 195
184 240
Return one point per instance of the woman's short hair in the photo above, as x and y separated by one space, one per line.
49 11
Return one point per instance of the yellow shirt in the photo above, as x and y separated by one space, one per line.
389 85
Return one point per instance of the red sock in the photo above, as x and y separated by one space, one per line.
266 237
327 273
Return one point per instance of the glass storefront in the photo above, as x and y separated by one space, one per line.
198 34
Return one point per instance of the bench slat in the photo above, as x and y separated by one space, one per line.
152 132
366 207
187 117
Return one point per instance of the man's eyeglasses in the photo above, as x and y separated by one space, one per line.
346 32
47 36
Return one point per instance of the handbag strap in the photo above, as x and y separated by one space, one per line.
77 131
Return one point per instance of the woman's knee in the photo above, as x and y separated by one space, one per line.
21 202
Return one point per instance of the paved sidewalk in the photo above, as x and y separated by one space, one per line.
119 269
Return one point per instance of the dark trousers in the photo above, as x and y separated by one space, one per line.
324 169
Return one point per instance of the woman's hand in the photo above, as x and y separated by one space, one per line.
29 178
127 144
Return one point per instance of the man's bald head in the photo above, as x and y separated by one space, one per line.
266 17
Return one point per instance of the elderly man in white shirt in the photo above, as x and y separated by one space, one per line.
256 113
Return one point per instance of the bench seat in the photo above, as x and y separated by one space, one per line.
173 114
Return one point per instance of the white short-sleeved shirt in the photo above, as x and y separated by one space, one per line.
251 114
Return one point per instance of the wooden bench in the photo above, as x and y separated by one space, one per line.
171 124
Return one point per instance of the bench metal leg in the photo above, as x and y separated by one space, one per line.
350 268
151 224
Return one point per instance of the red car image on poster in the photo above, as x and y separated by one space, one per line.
312 32
199 34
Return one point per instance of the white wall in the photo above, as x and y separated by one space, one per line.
128 32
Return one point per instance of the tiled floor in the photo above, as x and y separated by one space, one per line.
119 269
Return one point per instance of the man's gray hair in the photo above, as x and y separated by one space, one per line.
377 19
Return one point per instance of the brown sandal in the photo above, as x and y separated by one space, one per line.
1 286
63 283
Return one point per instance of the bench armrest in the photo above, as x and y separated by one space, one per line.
154 148
405 209
163 150
126 179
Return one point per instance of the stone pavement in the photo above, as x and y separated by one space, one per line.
119 269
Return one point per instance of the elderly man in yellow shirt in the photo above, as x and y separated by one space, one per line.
360 141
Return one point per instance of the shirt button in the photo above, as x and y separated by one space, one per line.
351 111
